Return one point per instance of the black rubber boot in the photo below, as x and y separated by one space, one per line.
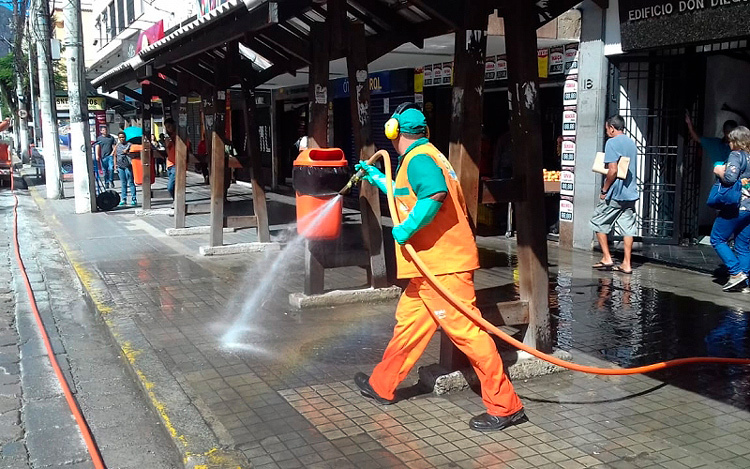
363 383
490 423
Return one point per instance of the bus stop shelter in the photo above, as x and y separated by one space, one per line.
245 43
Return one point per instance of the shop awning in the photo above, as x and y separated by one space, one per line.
276 35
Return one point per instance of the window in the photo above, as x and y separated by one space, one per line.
131 11
120 16
112 22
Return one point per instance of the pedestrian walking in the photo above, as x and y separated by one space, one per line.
435 222
733 220
617 197
125 169
104 145
170 141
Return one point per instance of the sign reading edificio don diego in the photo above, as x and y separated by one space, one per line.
647 24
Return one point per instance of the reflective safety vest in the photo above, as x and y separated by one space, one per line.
446 244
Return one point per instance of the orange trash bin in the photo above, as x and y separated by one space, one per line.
318 175
135 161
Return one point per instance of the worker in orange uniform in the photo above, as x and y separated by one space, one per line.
434 221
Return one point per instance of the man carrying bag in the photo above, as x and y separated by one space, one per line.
617 197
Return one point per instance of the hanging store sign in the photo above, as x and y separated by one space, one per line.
501 68
556 60
568 153
571 59
566 210
567 183
437 74
542 56
427 75
95 104
569 123
647 24
570 93
489 68
447 73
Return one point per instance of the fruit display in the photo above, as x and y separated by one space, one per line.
551 175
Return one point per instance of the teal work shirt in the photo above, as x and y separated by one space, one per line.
425 176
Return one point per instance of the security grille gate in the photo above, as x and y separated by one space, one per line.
652 94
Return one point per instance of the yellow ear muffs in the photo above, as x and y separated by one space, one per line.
391 129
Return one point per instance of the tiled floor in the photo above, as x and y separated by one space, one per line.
282 388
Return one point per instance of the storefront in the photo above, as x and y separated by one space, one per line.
664 60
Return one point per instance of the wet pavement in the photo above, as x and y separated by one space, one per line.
282 396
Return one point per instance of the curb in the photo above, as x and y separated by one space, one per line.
198 437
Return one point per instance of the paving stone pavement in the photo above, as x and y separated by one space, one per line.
37 428
281 392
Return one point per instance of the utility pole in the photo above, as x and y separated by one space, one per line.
34 108
22 129
52 164
80 137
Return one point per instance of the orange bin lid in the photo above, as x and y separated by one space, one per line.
331 157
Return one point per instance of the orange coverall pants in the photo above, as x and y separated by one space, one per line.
420 311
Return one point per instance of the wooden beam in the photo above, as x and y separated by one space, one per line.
241 221
447 11
146 147
390 17
318 90
195 72
198 208
337 23
364 18
276 58
317 131
163 84
263 16
369 196
218 159
468 90
292 44
252 149
526 133
381 44
180 187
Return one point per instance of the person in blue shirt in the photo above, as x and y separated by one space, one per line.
617 198
716 149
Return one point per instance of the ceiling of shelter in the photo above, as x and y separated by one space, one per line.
276 38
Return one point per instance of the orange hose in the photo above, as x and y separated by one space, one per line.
96 457
487 326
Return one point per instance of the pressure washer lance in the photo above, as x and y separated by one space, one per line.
361 173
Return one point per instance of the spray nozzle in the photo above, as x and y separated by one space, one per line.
361 173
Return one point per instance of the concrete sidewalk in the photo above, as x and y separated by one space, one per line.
282 396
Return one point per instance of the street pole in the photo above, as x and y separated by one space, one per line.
52 164
32 73
80 137
22 129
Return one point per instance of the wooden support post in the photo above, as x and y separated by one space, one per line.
526 134
466 130
218 160
180 181
468 93
369 196
317 136
252 147
314 272
146 146
318 91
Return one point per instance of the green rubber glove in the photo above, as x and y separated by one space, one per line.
372 175
423 213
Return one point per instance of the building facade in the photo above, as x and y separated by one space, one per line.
653 63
